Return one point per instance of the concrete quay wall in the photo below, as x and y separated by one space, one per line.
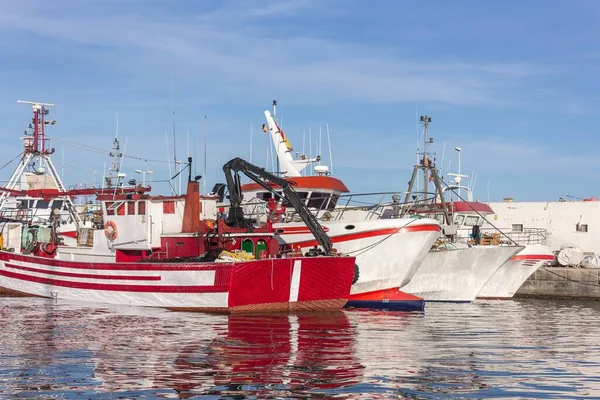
562 283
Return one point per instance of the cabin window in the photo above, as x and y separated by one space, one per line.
517 228
169 207
471 220
318 200
131 208
42 204
268 195
459 219
264 195
581 228
108 206
26 204
57 204
303 196
142 207
333 201
440 218
116 208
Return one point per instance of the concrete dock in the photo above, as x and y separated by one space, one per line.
562 283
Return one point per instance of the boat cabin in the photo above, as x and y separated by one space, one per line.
318 192
143 227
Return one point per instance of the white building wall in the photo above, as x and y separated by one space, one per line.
560 220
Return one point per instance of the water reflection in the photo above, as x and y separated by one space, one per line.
531 349
51 347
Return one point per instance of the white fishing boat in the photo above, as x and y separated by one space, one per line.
476 226
388 252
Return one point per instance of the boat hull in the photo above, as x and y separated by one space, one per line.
388 252
270 285
458 275
513 273
389 299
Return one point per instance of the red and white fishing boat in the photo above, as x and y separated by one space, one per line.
388 252
158 251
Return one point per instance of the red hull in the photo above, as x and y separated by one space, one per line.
387 299
270 285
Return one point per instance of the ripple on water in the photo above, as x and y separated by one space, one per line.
533 349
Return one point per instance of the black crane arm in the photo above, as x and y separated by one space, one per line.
258 175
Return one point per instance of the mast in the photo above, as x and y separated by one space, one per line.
116 157
429 172
36 152
426 161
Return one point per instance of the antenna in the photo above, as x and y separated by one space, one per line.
474 182
303 146
188 144
320 145
168 161
205 152
62 164
195 156
471 179
173 95
329 145
443 157
309 143
250 143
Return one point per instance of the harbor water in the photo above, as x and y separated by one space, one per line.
495 349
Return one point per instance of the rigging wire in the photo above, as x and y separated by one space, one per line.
103 151
8 163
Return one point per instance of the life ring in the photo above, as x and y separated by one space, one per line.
110 230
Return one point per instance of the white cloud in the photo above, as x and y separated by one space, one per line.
239 53
241 48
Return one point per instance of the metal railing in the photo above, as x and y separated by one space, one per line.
375 205
526 236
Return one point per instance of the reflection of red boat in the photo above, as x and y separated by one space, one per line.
286 355
160 251
266 355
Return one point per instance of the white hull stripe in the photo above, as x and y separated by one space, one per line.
295 283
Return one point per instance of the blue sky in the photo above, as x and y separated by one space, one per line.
514 83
